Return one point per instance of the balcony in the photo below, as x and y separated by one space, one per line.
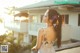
33 28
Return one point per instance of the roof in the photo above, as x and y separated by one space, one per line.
39 4
49 3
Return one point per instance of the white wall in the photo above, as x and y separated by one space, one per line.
75 32
39 18
73 19
68 31
72 30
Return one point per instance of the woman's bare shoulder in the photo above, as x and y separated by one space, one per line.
41 31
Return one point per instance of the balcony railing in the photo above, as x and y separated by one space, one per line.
33 28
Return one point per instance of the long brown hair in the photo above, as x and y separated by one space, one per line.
56 19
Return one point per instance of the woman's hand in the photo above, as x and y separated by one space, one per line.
34 48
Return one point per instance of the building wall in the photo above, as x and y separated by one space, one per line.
72 30
68 31
75 28
73 19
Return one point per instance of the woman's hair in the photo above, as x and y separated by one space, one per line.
56 19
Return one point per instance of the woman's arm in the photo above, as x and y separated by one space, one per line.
39 40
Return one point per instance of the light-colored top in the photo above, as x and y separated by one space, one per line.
47 35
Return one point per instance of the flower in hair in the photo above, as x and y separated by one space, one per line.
54 17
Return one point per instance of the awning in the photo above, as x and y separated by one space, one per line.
66 2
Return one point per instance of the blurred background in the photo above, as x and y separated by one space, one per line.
20 21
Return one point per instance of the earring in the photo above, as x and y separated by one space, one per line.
57 22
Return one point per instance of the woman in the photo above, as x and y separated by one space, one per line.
49 35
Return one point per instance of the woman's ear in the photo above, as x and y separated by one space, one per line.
50 21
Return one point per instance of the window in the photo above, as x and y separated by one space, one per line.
41 18
65 19
79 20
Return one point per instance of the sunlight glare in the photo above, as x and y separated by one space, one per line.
17 3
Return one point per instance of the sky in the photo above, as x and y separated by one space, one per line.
16 3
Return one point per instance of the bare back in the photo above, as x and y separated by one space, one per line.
50 34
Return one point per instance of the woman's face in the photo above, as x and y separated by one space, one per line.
45 17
